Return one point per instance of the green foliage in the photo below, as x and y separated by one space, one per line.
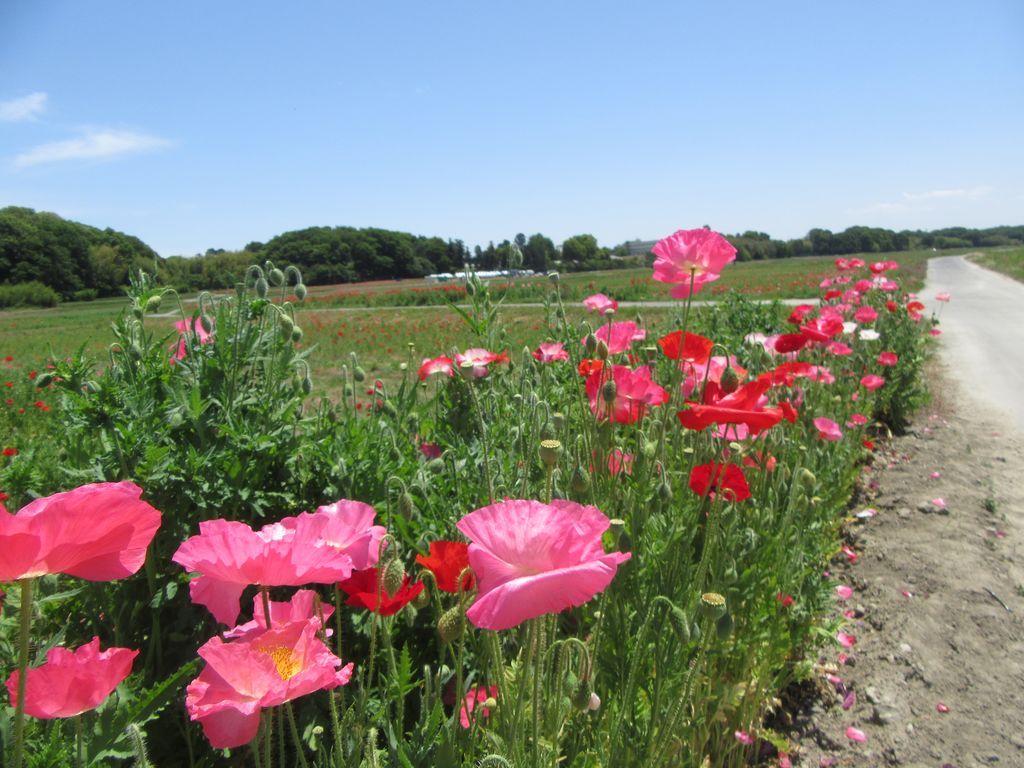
30 294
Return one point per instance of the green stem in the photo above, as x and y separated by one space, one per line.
295 734
79 742
483 440
25 627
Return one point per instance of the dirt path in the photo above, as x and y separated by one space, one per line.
936 677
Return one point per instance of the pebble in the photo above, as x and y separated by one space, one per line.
905 648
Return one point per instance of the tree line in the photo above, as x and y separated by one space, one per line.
67 260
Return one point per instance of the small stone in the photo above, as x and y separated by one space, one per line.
905 648
903 512
872 695
884 714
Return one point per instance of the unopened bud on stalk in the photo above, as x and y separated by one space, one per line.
276 276
558 422
287 325
608 391
580 481
359 374
554 277
547 432
137 311
452 624
664 491
135 351
724 626
730 380
389 408
153 303
602 349
590 344
307 385
262 287
550 450
712 605
406 507
807 478
297 334
300 291
422 600
206 323
581 696
651 353
393 576
681 624
649 449
435 466
490 702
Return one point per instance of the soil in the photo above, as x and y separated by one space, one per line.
936 677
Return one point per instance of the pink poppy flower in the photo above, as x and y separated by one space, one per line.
939 503
619 336
828 429
846 640
872 382
190 326
851 556
935 475
431 450
72 682
474 697
934 332
855 734
229 556
346 526
943 297
436 365
98 532
600 303
619 461
263 669
887 359
865 315
743 737
302 607
941 708
691 258
838 348
844 592
857 420
550 352
476 360
532 559
634 393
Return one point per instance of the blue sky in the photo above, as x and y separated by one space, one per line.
210 124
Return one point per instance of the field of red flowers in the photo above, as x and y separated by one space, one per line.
610 548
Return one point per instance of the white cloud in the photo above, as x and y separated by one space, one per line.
25 108
94 145
919 201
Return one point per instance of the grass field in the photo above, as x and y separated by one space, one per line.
1010 262
333 318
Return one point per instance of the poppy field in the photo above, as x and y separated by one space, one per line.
526 538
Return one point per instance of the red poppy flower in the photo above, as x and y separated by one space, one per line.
739 407
728 478
587 367
891 305
783 599
790 342
446 561
10 451
362 590
800 311
691 347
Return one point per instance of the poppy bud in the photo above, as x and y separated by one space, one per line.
287 325
581 696
300 291
470 288
490 702
590 344
554 277
262 287
665 491
405 505
580 481
393 576
153 303
44 379
730 380
422 600
389 408
550 450
712 605
296 334
307 385
680 624
608 391
137 311
435 466
135 351
807 478
724 626
359 374
276 277
602 349
452 624
92 387
558 422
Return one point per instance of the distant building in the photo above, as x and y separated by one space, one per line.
492 274
639 247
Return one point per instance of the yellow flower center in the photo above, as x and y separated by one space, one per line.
287 662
